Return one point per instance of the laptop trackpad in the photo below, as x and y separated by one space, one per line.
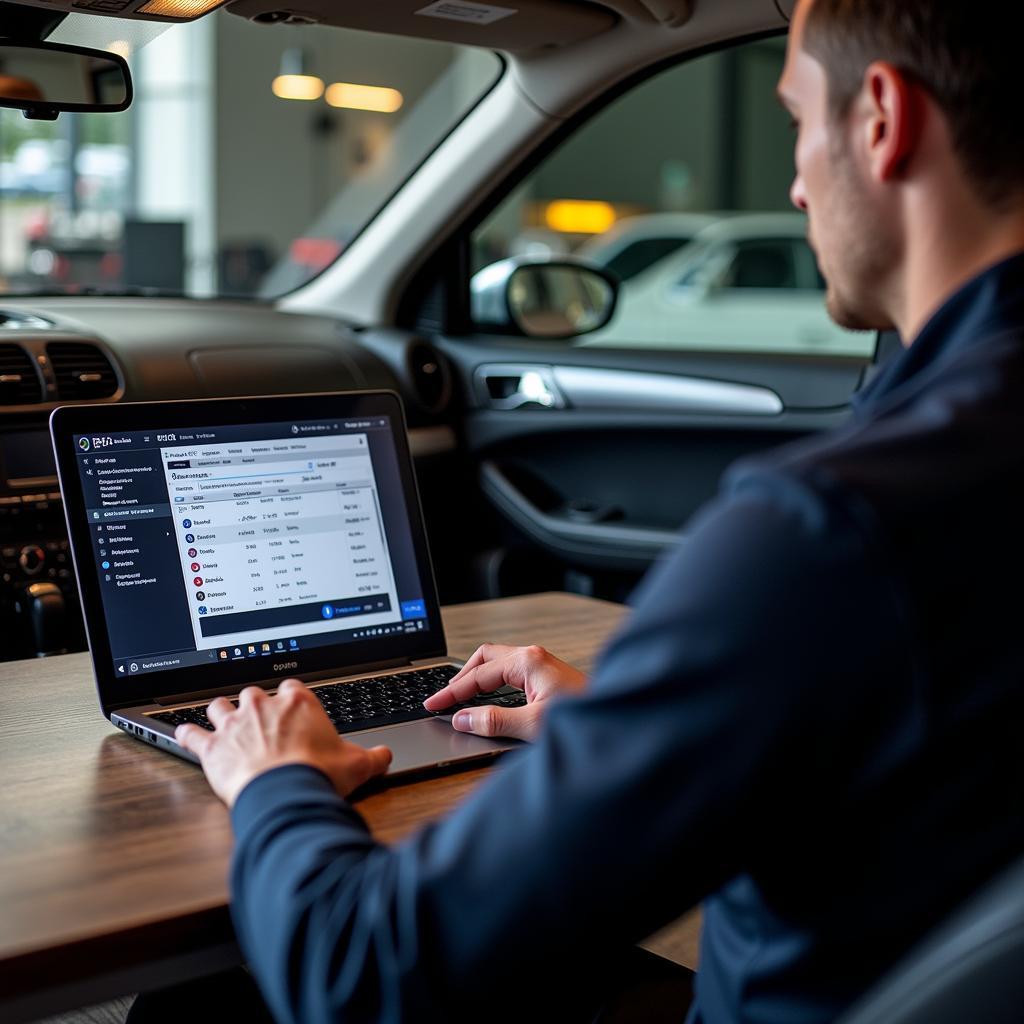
429 743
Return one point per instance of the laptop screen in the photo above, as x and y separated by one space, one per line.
238 542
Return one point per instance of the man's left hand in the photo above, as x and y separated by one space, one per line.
265 731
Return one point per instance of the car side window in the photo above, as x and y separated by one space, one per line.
680 189
762 265
639 255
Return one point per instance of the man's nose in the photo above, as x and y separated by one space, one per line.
797 195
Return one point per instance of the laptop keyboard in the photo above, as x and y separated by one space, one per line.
369 703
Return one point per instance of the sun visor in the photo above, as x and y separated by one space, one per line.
166 11
516 25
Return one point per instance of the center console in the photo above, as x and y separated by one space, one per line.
39 611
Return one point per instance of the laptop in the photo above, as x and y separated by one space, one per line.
220 544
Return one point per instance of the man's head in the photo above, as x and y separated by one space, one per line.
13 87
900 106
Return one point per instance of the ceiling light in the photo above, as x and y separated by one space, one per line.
579 216
363 97
294 82
297 87
177 8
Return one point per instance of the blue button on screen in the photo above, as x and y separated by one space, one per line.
413 610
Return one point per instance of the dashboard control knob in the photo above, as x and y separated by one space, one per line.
32 559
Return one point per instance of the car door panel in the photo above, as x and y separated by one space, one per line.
604 478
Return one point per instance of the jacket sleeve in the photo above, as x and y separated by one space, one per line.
641 796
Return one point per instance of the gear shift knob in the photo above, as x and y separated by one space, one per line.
43 605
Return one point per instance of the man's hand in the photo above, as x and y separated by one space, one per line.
492 666
265 732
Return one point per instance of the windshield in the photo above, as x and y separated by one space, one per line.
250 158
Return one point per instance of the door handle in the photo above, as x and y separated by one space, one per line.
512 387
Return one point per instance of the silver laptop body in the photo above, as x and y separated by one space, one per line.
220 544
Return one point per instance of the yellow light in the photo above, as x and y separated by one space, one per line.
363 97
297 87
579 216
121 47
178 8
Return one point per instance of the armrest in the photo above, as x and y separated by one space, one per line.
600 544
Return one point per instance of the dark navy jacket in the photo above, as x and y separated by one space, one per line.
813 721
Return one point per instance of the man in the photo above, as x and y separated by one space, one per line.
811 721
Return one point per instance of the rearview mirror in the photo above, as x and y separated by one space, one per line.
543 298
43 79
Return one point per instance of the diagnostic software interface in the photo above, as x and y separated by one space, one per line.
228 543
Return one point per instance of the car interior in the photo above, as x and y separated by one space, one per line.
290 198
578 488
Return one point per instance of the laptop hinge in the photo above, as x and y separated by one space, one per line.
272 683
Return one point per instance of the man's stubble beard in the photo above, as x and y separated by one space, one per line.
863 254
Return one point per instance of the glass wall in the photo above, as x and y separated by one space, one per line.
250 158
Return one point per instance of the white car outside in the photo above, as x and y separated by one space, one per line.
635 243
746 283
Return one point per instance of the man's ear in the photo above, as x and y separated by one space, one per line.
892 110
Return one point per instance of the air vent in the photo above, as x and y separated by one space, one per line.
83 372
430 379
20 383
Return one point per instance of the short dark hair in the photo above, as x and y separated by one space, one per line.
965 55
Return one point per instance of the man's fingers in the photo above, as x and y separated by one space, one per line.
293 686
251 695
471 662
296 693
194 739
444 698
489 720
380 758
467 682
371 762
485 652
485 678
219 710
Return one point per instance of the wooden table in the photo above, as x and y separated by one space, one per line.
114 856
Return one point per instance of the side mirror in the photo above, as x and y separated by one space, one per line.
43 79
543 299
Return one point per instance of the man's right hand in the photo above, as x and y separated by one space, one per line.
492 666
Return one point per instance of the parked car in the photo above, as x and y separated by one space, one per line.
633 244
746 283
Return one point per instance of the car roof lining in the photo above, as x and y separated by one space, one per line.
531 30
513 26
529 25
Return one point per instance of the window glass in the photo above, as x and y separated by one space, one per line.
220 179
763 264
681 189
640 254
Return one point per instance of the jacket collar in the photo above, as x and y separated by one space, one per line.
981 308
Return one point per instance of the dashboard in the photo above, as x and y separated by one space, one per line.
69 350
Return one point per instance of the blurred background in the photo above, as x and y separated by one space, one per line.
224 177
248 177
